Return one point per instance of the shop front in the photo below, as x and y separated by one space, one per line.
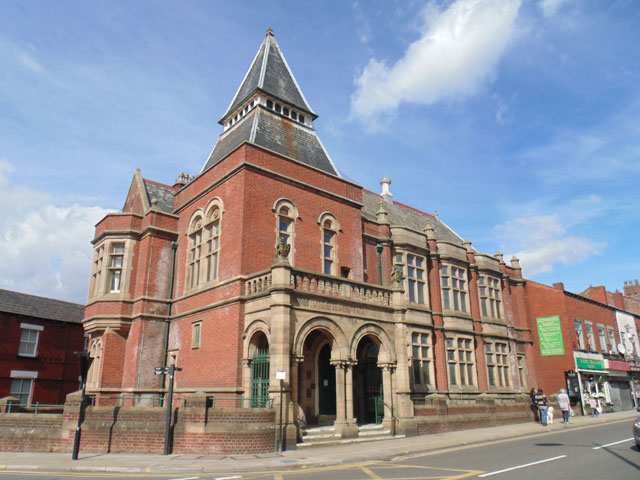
634 371
620 385
593 379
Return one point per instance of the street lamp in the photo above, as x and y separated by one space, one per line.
167 429
83 358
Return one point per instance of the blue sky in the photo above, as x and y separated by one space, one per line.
518 121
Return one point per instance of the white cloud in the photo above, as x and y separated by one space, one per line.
457 52
542 241
45 247
29 62
550 7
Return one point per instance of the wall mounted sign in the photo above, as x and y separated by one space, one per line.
550 335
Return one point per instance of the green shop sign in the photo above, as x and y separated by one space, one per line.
589 363
550 335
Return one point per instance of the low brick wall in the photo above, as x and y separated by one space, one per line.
443 413
28 432
112 429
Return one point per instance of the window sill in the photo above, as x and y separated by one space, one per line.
24 355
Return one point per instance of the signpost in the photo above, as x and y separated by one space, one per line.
167 431
83 358
281 375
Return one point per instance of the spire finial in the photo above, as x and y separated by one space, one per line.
270 31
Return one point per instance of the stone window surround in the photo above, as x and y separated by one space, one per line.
28 327
611 336
485 279
100 276
421 341
522 370
497 359
95 352
292 215
448 289
416 285
453 349
199 224
327 222
602 337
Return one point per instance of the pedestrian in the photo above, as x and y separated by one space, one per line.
565 405
593 403
534 405
541 402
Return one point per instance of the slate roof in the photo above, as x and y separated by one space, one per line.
40 307
270 73
403 216
270 130
163 193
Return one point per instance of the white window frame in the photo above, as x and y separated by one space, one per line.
115 267
591 339
497 357
96 278
329 228
211 244
22 376
454 288
490 293
28 327
577 325
422 359
611 335
194 251
461 362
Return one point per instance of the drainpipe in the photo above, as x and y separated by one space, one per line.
174 247
379 250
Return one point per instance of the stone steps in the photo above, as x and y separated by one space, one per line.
325 436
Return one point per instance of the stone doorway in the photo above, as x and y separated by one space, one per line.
367 385
317 382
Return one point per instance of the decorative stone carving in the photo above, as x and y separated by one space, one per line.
282 253
396 276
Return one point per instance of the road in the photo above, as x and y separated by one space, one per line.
602 452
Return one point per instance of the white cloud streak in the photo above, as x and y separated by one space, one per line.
543 241
45 247
550 7
456 53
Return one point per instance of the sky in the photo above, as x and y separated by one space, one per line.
518 122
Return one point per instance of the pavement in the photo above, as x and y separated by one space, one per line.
295 459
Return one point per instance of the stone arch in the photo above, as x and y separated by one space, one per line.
254 329
386 353
340 348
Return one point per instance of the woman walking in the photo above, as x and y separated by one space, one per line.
565 405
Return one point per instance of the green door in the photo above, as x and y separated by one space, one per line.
260 378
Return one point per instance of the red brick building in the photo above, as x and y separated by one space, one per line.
37 345
578 345
269 265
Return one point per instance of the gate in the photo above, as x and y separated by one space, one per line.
260 379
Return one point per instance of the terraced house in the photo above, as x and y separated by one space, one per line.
269 270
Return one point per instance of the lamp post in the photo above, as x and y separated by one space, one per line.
379 247
83 358
167 428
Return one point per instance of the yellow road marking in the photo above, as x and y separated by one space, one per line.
370 473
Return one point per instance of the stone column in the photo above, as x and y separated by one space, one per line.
340 392
345 424
349 392
387 393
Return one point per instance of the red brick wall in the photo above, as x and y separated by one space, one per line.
56 364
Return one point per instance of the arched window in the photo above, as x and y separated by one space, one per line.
194 253
286 215
95 353
212 244
329 228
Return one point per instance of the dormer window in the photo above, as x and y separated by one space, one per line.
301 119
269 104
285 111
278 108
294 115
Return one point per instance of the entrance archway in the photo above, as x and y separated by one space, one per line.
259 349
367 382
317 379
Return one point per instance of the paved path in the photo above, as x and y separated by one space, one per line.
312 457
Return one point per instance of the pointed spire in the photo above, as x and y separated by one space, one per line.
270 73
